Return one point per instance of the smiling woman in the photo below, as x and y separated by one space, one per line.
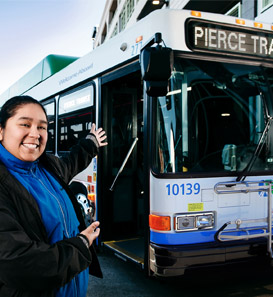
46 249
25 136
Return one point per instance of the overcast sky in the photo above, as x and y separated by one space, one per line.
32 29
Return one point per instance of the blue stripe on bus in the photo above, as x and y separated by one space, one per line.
196 236
181 238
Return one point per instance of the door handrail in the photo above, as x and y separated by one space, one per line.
124 163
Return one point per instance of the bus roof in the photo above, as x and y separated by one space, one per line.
126 46
43 70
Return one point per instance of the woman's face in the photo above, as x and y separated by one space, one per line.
25 134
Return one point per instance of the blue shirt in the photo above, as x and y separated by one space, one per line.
56 209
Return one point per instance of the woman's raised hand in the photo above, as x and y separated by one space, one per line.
100 135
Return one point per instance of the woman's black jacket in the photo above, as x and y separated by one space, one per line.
29 265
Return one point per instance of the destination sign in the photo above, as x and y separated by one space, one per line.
222 39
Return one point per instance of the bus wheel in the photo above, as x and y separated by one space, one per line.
80 192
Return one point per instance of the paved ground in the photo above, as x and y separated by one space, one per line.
122 279
125 280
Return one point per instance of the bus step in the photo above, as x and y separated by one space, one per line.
128 249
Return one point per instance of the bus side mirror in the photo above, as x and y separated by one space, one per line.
156 65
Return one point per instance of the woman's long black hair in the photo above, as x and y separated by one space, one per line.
10 107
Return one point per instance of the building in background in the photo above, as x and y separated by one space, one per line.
120 14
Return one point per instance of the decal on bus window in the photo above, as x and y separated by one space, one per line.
264 194
183 189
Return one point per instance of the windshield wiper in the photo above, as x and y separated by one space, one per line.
257 152
261 142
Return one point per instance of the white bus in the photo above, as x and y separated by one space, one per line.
186 100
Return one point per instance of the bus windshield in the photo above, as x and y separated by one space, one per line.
213 117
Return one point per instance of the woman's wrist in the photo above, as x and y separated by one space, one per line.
84 239
93 137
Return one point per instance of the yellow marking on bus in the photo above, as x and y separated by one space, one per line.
195 206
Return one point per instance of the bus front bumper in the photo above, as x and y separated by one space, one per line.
169 261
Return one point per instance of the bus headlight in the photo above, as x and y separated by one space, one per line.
204 221
194 221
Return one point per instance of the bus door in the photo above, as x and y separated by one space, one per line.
121 211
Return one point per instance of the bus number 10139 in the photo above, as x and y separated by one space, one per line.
183 189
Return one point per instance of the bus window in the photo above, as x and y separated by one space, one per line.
50 110
213 118
76 114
